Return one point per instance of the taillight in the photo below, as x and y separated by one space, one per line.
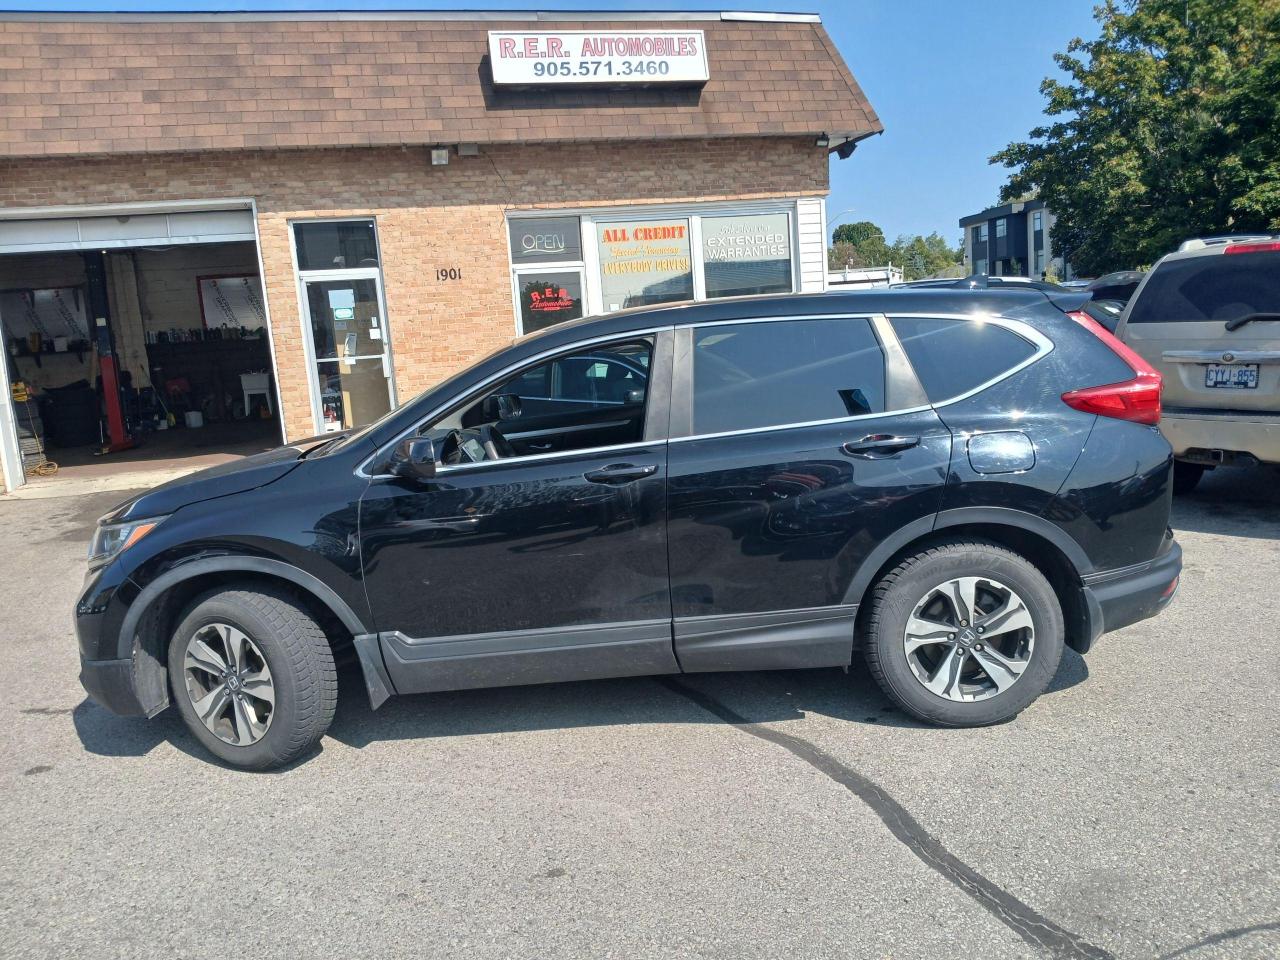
1265 246
1137 400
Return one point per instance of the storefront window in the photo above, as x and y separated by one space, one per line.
549 297
644 262
335 244
746 255
545 240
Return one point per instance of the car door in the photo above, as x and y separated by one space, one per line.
798 445
535 567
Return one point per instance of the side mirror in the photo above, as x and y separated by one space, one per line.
414 458
635 396
501 406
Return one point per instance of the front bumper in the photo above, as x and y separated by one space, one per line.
111 684
1256 433
1118 598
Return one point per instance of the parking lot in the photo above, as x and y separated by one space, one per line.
1131 812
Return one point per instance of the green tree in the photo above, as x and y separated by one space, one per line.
856 233
1166 127
925 257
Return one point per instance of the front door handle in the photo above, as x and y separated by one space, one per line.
879 446
617 473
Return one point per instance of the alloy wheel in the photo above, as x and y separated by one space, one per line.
969 638
229 683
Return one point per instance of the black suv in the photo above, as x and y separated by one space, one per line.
956 483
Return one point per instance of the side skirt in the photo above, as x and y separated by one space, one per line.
593 652
779 640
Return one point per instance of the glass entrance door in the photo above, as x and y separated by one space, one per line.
352 371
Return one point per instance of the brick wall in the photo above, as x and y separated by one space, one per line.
428 217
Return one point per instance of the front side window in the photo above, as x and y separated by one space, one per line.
644 262
592 397
776 373
746 255
952 357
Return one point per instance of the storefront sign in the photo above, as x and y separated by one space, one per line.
746 254
611 57
545 239
643 262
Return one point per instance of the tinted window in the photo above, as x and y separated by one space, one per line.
952 357
1221 287
791 371
606 376
336 245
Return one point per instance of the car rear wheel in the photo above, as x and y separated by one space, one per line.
964 634
1186 476
253 677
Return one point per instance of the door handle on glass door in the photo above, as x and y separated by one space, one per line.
878 446
616 473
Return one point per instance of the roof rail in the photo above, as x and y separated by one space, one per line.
1199 243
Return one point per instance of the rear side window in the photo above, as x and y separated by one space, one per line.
952 357
753 375
1221 287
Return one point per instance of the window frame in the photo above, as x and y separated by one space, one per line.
1002 228
1043 346
591 217
525 270
657 403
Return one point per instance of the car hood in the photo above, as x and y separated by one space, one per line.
223 480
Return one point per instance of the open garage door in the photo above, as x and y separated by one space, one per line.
136 343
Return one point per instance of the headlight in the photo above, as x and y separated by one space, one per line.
111 538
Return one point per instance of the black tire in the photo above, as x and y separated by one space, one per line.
1186 476
300 660
894 599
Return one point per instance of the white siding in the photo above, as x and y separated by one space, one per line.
811 229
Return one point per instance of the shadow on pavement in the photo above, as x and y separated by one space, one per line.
1232 501
759 697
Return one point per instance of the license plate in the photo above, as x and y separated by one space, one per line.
1232 376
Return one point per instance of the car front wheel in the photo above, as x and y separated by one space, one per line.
964 634
253 676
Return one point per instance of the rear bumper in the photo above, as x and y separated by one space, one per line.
1118 598
1190 431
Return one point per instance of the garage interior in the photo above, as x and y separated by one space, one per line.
186 353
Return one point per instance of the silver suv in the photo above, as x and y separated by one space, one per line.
1208 318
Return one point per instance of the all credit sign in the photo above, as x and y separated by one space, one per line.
587 56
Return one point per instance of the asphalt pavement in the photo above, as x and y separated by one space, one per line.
1134 811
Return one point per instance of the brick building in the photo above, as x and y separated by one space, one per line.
356 205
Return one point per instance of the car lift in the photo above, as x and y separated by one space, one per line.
118 437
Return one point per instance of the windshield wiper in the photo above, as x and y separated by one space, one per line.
1239 322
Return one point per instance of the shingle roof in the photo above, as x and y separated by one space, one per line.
94 84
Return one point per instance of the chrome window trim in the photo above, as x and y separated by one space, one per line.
363 469
1044 346
446 469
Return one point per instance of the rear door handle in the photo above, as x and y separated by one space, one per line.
617 473
879 446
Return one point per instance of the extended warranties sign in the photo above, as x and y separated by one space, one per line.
586 57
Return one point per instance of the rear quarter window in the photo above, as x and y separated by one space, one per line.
1221 287
952 357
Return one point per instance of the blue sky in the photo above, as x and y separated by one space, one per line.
952 82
